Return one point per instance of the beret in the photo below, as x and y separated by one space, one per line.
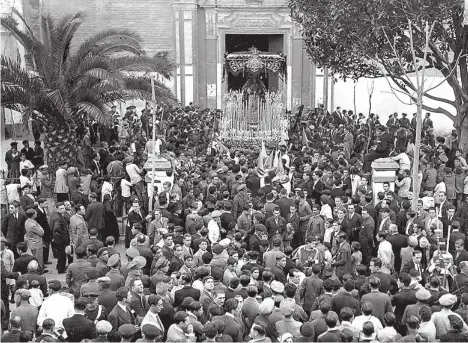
287 307
91 273
127 330
267 306
423 294
217 249
180 316
226 241
103 326
216 214
23 293
307 329
132 252
100 251
277 286
113 260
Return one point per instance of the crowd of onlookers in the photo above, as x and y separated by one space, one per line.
293 248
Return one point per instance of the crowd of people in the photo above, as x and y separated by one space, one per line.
234 249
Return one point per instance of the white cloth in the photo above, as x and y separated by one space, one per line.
326 211
56 307
107 188
125 186
213 231
385 253
134 172
359 321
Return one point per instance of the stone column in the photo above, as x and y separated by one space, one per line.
383 170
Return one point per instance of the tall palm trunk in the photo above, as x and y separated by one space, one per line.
60 145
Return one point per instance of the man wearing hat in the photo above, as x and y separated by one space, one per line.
135 270
91 288
107 297
103 327
101 266
117 280
27 312
126 332
12 159
423 295
441 319
33 236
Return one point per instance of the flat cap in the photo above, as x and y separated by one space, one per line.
423 294
103 326
105 279
91 273
277 286
127 330
138 262
150 331
448 300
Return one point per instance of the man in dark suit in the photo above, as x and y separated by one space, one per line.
13 226
461 280
43 221
60 234
342 258
78 327
27 200
79 198
121 314
460 254
186 291
317 187
21 263
406 296
234 326
386 281
380 301
416 265
137 301
135 216
311 288
38 158
380 150
94 215
96 167
33 274
284 203
398 241
15 330
107 297
27 150
253 183
345 299
275 224
455 235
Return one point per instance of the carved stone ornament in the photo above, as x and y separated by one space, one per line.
252 23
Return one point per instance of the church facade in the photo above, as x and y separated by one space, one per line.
198 33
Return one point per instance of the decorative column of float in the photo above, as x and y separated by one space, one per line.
383 170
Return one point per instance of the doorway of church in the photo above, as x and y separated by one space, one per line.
264 43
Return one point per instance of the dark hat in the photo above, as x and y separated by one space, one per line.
187 301
91 273
307 329
455 321
127 330
100 251
138 262
14 144
150 331
25 141
217 249
113 260
131 107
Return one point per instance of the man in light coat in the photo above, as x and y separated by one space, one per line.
61 182
78 226
33 236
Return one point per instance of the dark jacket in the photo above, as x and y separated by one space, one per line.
13 229
118 317
59 227
94 216
186 291
78 327
42 220
345 299
310 289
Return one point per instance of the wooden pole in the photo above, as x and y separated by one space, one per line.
153 163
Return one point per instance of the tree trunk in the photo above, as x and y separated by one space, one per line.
462 128
417 147
60 145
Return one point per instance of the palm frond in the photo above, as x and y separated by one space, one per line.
143 64
90 103
110 49
139 87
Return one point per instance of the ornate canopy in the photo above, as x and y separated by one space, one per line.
254 62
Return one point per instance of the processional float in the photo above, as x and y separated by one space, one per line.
254 115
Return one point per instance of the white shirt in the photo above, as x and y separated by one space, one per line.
107 188
326 211
26 163
213 231
359 321
12 192
134 172
125 186
56 307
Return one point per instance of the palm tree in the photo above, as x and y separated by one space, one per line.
61 83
